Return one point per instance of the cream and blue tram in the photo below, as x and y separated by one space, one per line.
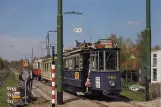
99 65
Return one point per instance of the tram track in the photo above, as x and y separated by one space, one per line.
78 97
100 101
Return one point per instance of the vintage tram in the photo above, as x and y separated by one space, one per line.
89 68
93 68
37 68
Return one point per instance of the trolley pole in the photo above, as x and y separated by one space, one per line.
59 54
148 49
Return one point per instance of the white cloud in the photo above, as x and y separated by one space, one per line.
15 48
135 23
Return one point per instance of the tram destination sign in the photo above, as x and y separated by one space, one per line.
106 43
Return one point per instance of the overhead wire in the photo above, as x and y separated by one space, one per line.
81 21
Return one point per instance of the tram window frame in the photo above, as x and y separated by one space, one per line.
46 67
66 64
72 62
76 63
38 65
101 54
114 65
94 63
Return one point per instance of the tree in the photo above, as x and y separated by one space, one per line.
140 47
156 47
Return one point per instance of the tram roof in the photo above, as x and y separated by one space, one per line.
82 50
102 44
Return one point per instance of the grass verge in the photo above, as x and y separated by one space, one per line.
132 95
10 81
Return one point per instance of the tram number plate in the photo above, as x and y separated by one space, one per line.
97 80
77 75
111 77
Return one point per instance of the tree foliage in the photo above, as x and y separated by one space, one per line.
4 64
16 63
141 46
4 70
156 47
132 53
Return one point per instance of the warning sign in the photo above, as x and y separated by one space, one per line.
77 75
25 63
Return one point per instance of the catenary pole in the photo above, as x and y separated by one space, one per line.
59 54
148 49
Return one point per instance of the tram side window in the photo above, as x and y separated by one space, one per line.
111 60
45 66
66 65
49 66
38 65
76 63
101 61
70 64
94 61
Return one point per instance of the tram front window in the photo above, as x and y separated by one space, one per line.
111 60
105 60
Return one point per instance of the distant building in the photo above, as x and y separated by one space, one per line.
156 66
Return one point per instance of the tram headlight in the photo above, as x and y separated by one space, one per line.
112 83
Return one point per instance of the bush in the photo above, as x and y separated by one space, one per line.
4 70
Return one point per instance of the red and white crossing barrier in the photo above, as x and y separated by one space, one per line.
11 89
10 101
9 94
53 85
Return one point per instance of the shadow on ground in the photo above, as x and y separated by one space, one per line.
109 98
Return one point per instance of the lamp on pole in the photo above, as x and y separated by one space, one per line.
73 12
148 49
76 30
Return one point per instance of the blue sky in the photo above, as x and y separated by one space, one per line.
24 23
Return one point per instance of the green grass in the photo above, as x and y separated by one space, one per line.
10 81
135 96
